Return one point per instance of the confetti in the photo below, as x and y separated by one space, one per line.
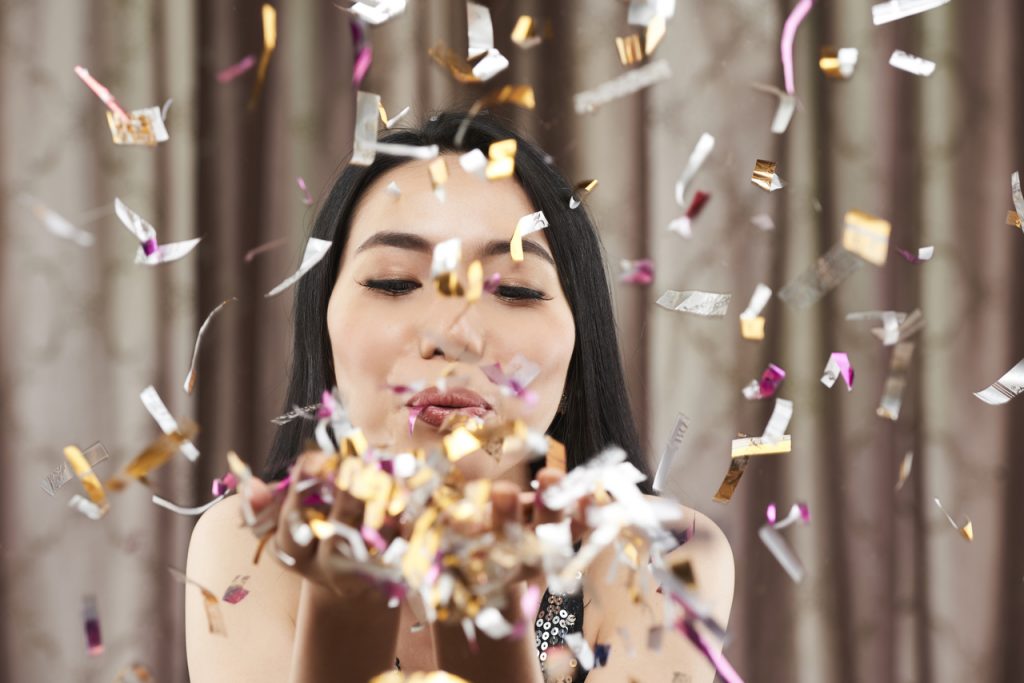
150 252
910 325
714 655
230 73
766 387
966 529
1006 388
526 225
295 413
214 618
884 12
751 320
820 278
236 592
838 62
91 619
514 380
905 466
438 172
307 198
758 446
891 321
764 176
892 396
168 425
675 442
789 28
473 162
481 43
638 272
57 224
838 365
778 422
643 12
315 250
96 506
519 95
1018 199
912 64
362 51
136 673
101 92
867 236
393 189
183 510
63 473
266 246
621 86
269 17
580 648
444 266
143 127
630 49
776 544
698 156
783 111
707 304
190 377
581 191
762 221
524 33
920 256
501 159
376 12
153 457
683 224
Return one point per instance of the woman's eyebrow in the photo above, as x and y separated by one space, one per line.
399 240
412 242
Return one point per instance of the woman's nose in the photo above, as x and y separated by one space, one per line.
456 336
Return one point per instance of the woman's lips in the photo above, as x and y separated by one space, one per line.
434 406
436 415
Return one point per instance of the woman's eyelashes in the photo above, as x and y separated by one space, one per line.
400 286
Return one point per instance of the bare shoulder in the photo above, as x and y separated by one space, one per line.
260 627
709 554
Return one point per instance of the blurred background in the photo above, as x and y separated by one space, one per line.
892 591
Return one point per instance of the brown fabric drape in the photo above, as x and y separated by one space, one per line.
892 592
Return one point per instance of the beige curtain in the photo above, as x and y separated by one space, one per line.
892 592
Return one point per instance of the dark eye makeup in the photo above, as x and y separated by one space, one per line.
400 286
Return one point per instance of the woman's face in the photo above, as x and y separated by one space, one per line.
390 327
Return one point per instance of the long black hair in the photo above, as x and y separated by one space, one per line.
596 410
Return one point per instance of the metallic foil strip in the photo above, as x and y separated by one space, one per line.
920 256
376 12
582 189
630 49
168 425
190 377
707 304
912 64
672 447
101 92
315 250
621 86
144 127
838 63
526 225
892 396
867 236
966 529
56 223
269 16
638 272
911 325
759 446
1006 388
91 619
781 551
884 12
838 365
737 466
796 17
905 467
524 33
1018 196
501 159
764 176
820 278
775 430
783 111
698 156
211 603
364 142
438 171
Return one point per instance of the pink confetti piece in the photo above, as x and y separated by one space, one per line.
266 246
236 592
363 53
793 22
920 256
230 73
797 512
838 365
414 413
91 617
373 537
307 198
226 483
639 272
765 387
101 92
717 659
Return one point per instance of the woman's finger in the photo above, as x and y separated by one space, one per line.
294 540
505 506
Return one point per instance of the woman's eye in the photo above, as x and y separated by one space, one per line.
517 293
395 287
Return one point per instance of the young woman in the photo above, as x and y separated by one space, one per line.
368 318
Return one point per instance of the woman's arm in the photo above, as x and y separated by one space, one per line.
287 628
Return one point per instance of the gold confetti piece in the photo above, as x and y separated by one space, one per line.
417 677
519 95
761 446
892 396
136 673
867 236
908 462
524 33
526 225
154 456
764 176
737 466
438 170
838 62
752 328
460 443
474 281
654 33
457 66
269 15
1013 220
144 127
581 190
214 618
630 49
501 157
82 468
966 529
555 457
751 320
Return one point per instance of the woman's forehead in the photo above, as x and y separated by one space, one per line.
466 206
